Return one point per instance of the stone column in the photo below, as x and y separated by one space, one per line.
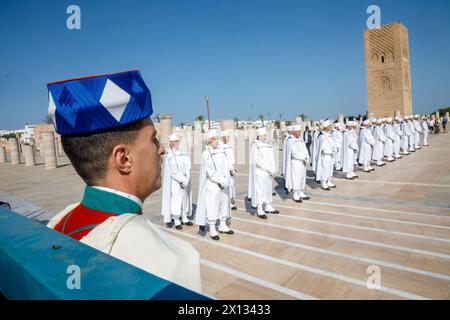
49 150
240 147
14 151
341 118
166 129
28 154
198 146
2 154
282 126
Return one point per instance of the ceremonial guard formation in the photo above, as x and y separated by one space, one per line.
123 168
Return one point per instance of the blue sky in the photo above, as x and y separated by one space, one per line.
287 56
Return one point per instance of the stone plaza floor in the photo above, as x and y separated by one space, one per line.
395 220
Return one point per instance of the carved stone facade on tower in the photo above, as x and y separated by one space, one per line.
388 81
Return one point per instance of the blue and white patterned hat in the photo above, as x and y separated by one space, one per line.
98 103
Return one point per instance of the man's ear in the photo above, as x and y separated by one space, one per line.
122 158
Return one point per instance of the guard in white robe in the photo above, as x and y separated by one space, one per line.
261 173
397 137
337 137
213 194
176 193
388 150
417 131
366 144
229 152
425 131
380 139
350 149
287 136
405 136
296 167
315 149
412 135
326 149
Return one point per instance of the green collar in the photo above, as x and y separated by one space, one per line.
109 202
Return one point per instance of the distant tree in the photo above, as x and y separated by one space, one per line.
157 117
236 122
200 118
47 120
303 116
261 117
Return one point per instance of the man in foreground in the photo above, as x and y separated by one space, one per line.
106 131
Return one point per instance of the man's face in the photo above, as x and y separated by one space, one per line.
296 133
213 142
146 154
174 144
262 138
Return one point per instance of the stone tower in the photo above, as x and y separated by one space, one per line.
388 80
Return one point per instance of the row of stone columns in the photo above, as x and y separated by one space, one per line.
48 151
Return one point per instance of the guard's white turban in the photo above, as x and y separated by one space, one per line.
261 132
211 134
325 124
174 137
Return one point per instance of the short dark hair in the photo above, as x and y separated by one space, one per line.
89 153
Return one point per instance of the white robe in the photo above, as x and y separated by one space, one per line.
412 135
405 135
325 151
229 152
136 240
261 170
366 143
388 150
417 132
349 151
425 131
213 203
337 137
296 167
315 150
380 139
176 201
397 138
287 137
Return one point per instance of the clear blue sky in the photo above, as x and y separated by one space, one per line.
287 56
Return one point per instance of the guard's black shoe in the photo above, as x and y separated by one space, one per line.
274 193
179 227
349 178
355 177
299 200
333 187
169 225
227 232
189 223
326 189
273 212
306 198
233 208
262 216
215 237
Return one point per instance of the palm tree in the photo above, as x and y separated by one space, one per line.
261 117
303 116
200 118
236 122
